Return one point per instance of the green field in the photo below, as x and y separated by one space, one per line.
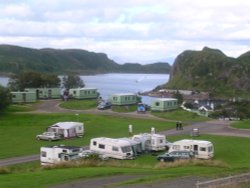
80 104
21 129
231 156
244 124
18 131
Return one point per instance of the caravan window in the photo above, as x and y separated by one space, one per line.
186 147
210 148
161 141
79 128
101 146
114 148
44 154
176 147
202 149
94 143
126 149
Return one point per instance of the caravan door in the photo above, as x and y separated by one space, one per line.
196 148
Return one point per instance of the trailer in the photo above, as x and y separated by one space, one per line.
52 155
151 142
202 149
67 129
136 146
113 148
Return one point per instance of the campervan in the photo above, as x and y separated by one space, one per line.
202 149
67 129
151 142
55 154
113 148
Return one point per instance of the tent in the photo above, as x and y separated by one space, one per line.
67 129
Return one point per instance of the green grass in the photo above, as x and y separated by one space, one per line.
231 156
79 104
181 115
244 124
21 107
124 109
21 129
18 131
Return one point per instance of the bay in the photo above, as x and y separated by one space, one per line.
108 84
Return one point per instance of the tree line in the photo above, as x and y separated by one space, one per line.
18 82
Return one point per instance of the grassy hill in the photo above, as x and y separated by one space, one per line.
211 70
14 59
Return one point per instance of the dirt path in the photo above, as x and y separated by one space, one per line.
184 182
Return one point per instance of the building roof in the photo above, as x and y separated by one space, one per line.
165 99
84 88
123 94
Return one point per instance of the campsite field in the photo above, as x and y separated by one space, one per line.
80 104
232 154
244 124
18 131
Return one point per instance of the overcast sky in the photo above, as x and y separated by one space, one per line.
128 30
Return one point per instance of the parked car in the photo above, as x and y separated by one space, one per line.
175 155
50 136
104 105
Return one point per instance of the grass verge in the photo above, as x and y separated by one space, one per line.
79 104
244 124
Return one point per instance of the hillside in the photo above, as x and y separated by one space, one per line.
15 59
211 70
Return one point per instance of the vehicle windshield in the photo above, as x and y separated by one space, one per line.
126 149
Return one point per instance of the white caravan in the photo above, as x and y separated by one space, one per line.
136 146
113 148
202 149
55 154
67 129
151 142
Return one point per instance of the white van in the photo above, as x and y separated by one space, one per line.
113 148
202 149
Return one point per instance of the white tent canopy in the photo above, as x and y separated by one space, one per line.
67 129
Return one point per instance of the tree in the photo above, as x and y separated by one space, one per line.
19 82
4 98
178 96
72 81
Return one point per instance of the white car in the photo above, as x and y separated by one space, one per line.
50 136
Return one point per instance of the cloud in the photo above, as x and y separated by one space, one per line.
135 31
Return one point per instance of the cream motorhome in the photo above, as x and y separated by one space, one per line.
55 154
202 149
113 148
151 142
